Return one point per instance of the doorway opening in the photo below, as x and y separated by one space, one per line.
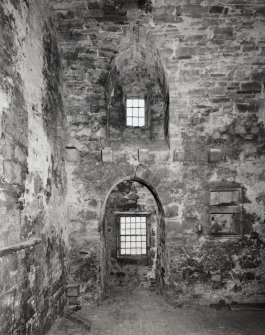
133 237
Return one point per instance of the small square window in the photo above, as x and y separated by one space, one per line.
135 112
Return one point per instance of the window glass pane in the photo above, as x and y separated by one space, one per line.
122 219
135 122
129 121
129 102
135 103
143 219
141 112
122 251
138 251
143 225
130 112
143 251
141 102
141 122
135 112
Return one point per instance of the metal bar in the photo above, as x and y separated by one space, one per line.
20 246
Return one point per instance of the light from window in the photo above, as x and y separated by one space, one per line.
135 112
133 235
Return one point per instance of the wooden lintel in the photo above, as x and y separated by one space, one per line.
225 209
132 213
225 189
20 246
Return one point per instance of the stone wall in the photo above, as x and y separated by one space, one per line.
32 172
213 58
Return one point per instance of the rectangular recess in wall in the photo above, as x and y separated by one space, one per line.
225 197
226 223
225 212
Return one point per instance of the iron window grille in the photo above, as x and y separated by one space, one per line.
135 112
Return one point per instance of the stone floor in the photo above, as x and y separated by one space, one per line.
144 312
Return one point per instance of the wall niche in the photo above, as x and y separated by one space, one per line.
137 73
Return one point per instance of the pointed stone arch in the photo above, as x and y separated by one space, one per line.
161 268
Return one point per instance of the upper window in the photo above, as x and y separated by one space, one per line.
135 112
133 235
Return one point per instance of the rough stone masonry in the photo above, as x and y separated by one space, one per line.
66 69
33 176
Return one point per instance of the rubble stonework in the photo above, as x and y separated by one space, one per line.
212 56
32 172
65 74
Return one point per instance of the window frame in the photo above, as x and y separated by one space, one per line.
146 121
236 209
133 258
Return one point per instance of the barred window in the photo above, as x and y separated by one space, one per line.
133 235
135 112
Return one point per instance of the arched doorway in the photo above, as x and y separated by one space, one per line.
132 236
